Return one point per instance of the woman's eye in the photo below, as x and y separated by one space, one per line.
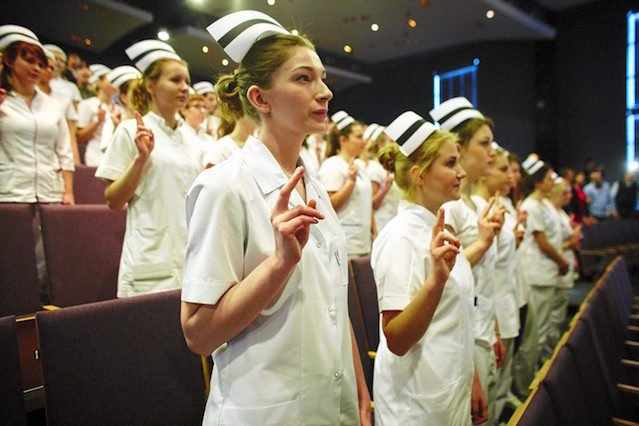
303 78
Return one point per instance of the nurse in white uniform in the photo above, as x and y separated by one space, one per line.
476 224
424 363
540 252
344 177
265 288
149 166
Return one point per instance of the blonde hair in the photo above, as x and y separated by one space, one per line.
139 96
423 157
332 142
264 58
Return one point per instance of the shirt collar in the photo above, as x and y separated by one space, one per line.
160 122
269 175
422 212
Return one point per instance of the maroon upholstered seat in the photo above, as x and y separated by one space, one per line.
359 329
87 189
539 411
82 246
19 287
367 291
12 406
120 362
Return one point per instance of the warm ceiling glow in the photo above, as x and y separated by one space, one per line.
374 27
347 48
270 2
87 41
225 62
490 14
205 49
295 32
412 23
163 35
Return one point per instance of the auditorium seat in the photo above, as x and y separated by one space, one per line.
366 288
12 410
82 246
539 410
359 330
120 362
19 286
87 189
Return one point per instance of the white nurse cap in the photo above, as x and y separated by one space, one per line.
373 131
342 120
97 71
532 164
409 130
120 75
453 112
204 87
238 31
50 55
10 33
145 52
56 49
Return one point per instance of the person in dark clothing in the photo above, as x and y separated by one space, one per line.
625 194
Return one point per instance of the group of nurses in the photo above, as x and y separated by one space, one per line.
265 279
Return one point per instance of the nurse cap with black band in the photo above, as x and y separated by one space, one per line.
532 164
56 49
453 112
97 71
238 31
342 120
409 130
145 52
120 75
373 131
204 87
11 33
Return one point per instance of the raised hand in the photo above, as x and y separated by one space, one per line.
487 228
444 248
292 227
101 113
498 213
352 170
144 139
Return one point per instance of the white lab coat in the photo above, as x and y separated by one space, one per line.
431 383
35 148
220 150
388 209
294 364
155 237
355 214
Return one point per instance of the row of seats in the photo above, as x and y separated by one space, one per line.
82 246
605 240
121 361
591 378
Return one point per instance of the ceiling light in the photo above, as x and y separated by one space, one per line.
490 14
205 49
270 2
295 32
163 35
374 27
225 62
347 48
412 23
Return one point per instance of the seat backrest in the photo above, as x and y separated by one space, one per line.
565 391
82 246
87 189
120 362
12 406
357 321
364 281
19 285
539 411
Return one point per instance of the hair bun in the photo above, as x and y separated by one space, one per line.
387 157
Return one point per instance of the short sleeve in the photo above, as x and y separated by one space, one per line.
70 112
331 176
119 154
215 247
535 218
454 215
215 154
376 172
398 270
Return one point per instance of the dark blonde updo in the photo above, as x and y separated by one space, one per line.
393 160
264 58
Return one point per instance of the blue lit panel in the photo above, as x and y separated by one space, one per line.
632 108
458 82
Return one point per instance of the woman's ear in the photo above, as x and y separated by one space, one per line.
256 97
416 176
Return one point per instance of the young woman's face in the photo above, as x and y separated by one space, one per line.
477 156
580 178
546 184
195 112
298 97
106 87
27 70
171 90
211 102
500 177
443 178
47 73
566 194
353 144
516 170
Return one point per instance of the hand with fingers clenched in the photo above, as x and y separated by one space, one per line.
292 225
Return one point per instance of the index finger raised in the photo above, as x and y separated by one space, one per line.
489 205
138 119
285 192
